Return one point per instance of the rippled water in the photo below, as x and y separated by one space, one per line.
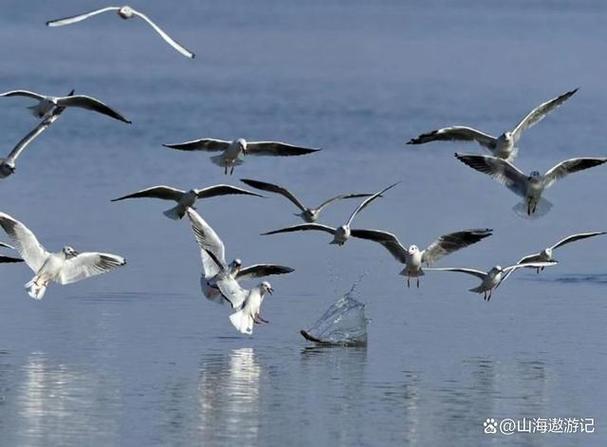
137 357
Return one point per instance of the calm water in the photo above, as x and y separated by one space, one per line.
137 357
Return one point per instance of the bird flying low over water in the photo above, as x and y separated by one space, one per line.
249 313
219 280
47 104
232 152
8 259
309 215
493 278
503 146
185 199
124 12
529 187
547 254
64 267
413 257
340 234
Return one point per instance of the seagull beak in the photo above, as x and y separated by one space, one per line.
270 290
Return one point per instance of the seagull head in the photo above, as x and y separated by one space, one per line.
241 144
535 175
235 265
413 249
547 253
508 136
126 12
266 287
69 252
495 270
6 168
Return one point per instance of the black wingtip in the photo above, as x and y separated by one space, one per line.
48 22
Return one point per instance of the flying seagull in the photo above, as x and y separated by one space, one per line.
546 255
232 152
491 279
309 215
503 146
413 258
8 259
250 311
47 104
9 164
124 12
185 199
529 187
340 234
219 280
64 267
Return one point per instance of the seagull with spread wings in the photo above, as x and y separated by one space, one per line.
503 146
232 152
413 258
547 254
340 234
493 278
185 199
529 187
64 267
309 215
48 104
219 280
124 12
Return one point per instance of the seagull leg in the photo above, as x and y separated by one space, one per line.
232 170
225 170
408 283
418 282
490 293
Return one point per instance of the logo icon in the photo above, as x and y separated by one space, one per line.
490 426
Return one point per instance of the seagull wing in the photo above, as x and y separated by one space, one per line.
156 192
512 268
275 189
570 166
365 203
25 93
203 144
539 113
8 259
32 252
501 170
456 133
388 240
90 103
276 148
223 190
31 136
472 272
2 244
85 265
303 227
262 270
341 197
532 258
209 242
168 39
80 17
448 243
576 237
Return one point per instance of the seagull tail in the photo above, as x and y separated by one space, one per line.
34 290
242 321
478 289
542 208
175 213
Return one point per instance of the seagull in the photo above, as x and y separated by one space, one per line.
546 255
8 164
64 267
340 234
413 258
7 259
219 280
232 152
492 278
47 104
250 312
531 186
503 146
185 199
124 12
309 215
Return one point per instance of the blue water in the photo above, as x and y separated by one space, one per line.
138 357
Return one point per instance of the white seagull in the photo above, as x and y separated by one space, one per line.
493 278
232 152
340 234
529 187
250 311
47 104
413 258
309 215
8 259
64 267
219 280
124 12
503 146
185 199
547 254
